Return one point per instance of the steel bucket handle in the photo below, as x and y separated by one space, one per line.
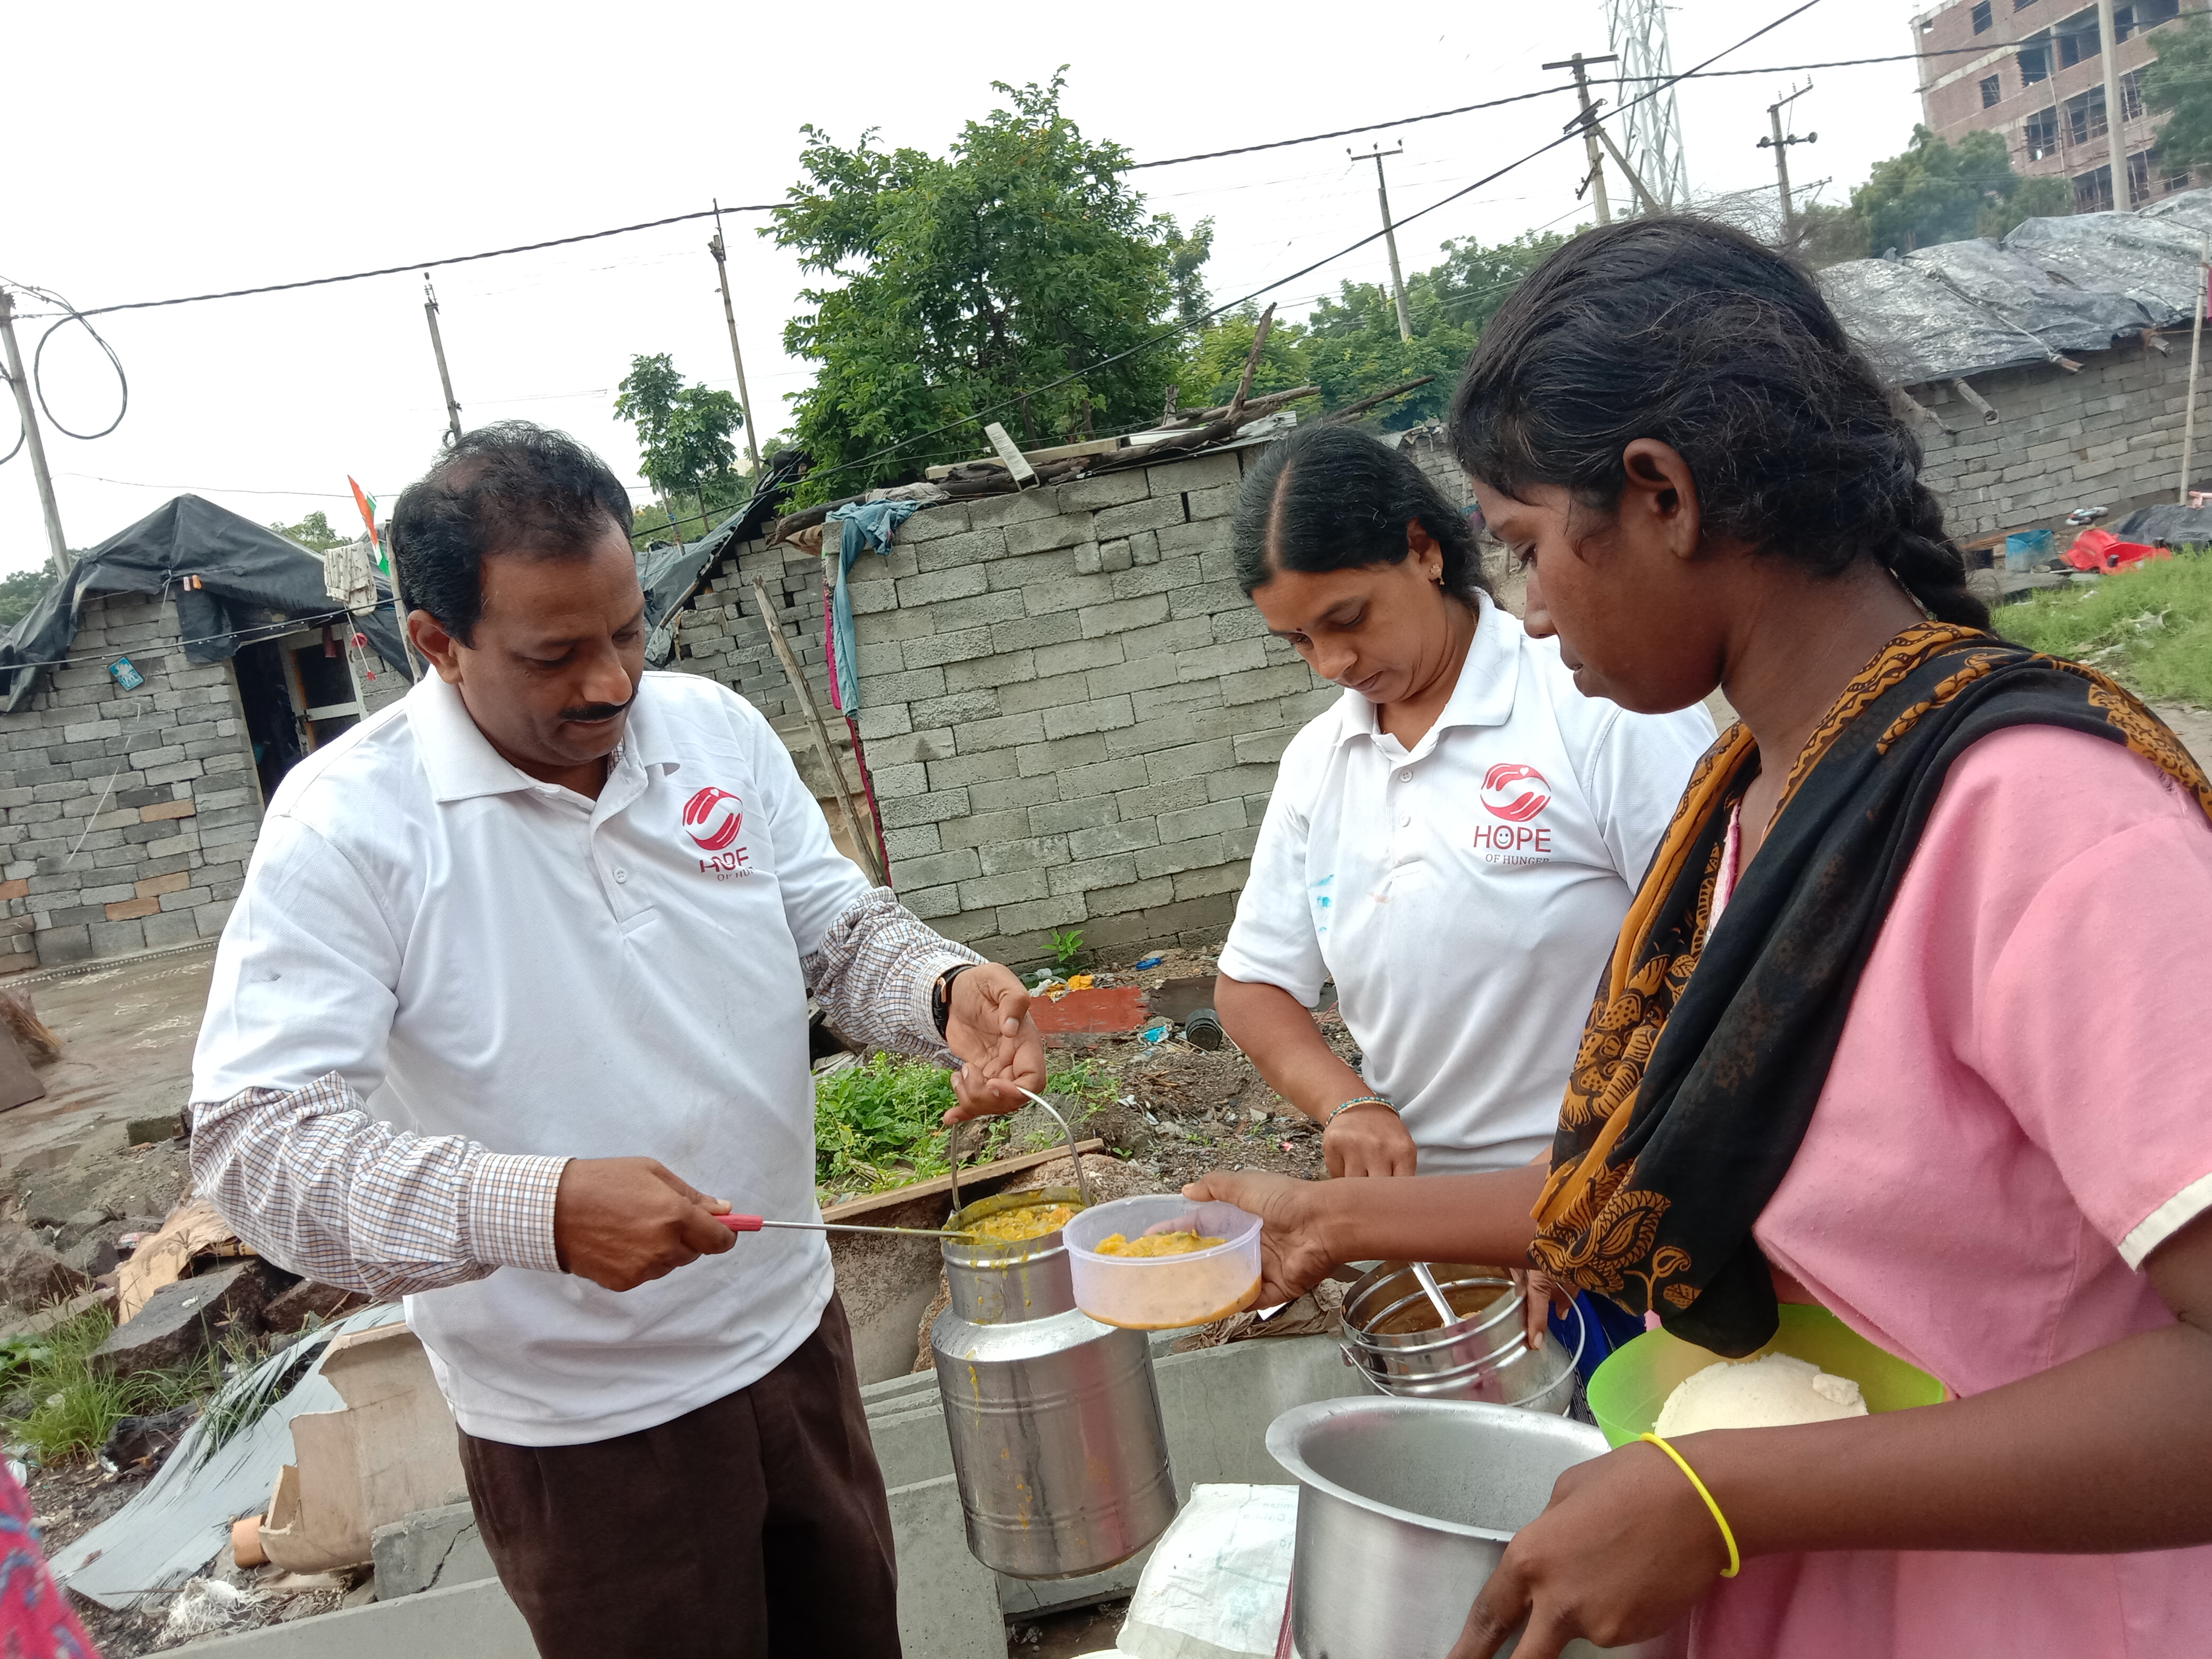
1082 1181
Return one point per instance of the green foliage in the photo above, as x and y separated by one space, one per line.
1349 346
19 592
72 1408
2178 84
683 432
877 1126
314 530
1068 947
1933 192
2149 628
1021 256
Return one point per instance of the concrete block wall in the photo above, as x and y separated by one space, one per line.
1071 712
128 815
2110 436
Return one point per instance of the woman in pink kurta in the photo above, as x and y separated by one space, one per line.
1902 1022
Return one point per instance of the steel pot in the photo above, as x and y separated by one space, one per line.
1479 1356
1405 1508
1055 1419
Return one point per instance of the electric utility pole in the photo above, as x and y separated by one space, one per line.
445 380
1780 145
32 441
1595 180
2115 126
729 316
1389 234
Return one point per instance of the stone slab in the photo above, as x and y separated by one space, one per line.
427 1549
178 1319
466 1622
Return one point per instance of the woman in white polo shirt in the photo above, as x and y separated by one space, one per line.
1455 842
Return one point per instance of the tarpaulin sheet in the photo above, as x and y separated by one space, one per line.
668 573
2174 526
2052 287
2018 292
1916 328
249 577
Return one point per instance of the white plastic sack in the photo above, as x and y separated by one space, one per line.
1219 1578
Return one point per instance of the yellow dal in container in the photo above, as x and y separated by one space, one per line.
1028 1221
1156 1244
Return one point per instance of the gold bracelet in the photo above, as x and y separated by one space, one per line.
1357 1100
1736 1561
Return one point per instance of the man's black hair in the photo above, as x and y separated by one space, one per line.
511 487
1691 333
1332 498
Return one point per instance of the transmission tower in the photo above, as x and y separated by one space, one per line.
1650 133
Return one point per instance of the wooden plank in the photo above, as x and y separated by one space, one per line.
1036 457
980 1177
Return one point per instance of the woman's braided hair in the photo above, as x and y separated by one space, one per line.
1694 334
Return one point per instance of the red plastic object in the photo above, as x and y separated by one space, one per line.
2100 550
1101 1008
740 1224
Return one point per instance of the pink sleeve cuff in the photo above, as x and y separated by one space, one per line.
510 1219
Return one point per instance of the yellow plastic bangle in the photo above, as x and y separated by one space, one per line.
1736 1561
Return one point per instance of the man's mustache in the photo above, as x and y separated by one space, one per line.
597 711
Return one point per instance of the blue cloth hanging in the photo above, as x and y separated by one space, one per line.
866 525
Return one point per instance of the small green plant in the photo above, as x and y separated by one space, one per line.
2149 628
877 1125
72 1407
1067 950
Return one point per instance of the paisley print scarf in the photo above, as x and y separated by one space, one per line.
1701 1062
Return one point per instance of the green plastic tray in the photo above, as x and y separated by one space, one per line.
1628 1390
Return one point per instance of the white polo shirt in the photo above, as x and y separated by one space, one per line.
1463 896
481 954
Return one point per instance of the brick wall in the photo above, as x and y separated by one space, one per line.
129 815
2109 435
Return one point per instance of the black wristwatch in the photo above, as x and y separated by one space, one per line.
940 995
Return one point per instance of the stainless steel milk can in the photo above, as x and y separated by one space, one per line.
1055 1419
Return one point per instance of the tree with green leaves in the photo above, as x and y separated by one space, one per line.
19 592
1933 192
2176 83
314 530
1019 269
683 432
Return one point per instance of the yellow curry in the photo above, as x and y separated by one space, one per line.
1028 1221
1156 1244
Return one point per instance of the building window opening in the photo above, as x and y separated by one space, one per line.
2077 40
2034 64
2150 14
1992 93
2085 116
1982 17
2021 5
2041 133
2092 190
2131 104
2139 174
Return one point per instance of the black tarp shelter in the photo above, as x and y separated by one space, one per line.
250 578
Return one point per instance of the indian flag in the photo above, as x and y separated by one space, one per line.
366 502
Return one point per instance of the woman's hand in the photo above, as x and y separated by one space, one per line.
1543 1296
1295 1254
1624 1550
1002 1052
1369 1140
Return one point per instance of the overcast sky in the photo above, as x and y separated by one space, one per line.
162 150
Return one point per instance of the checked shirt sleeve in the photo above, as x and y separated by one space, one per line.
873 971
321 1188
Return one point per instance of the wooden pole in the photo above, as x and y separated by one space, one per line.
55 545
2196 355
729 316
1595 178
862 844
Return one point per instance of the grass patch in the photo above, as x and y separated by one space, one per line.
68 1409
876 1126
2149 628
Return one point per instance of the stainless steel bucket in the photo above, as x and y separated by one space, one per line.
1479 1356
1405 1508
1055 1419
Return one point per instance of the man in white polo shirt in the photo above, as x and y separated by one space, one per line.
512 1007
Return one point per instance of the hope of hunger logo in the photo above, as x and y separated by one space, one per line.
1515 792
712 819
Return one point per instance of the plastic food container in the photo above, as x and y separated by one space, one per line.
1628 1390
1164 1292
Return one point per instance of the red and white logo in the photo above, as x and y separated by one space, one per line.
1515 792
712 819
